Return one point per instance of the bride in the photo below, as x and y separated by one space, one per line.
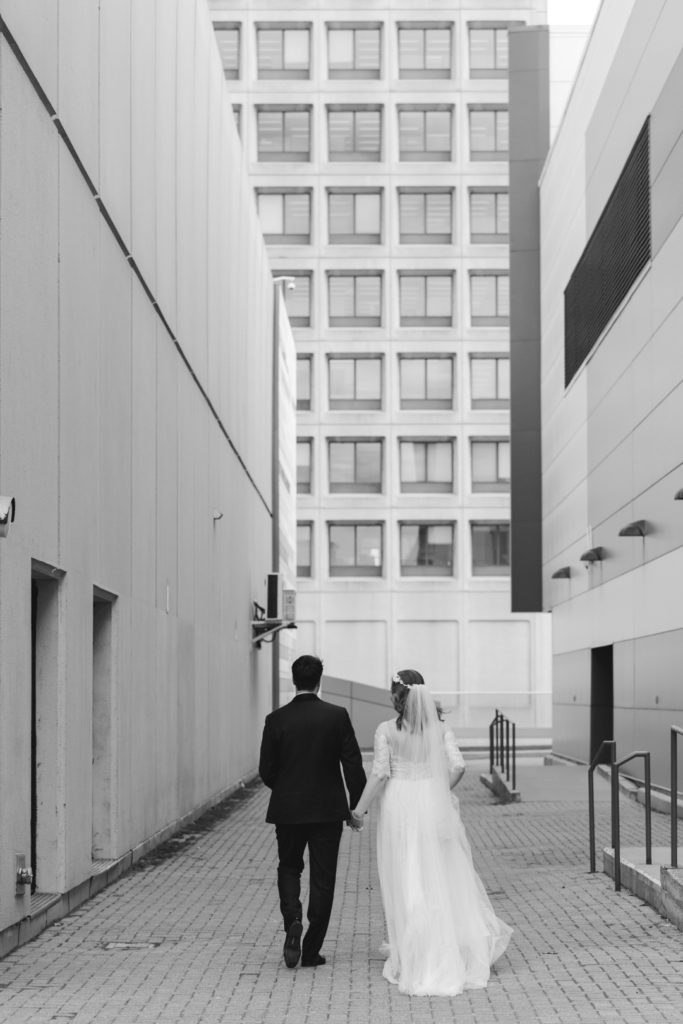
443 934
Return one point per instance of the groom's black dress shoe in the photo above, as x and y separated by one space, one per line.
292 946
316 961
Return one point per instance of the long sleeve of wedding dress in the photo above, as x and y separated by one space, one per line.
443 934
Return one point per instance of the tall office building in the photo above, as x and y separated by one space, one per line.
375 136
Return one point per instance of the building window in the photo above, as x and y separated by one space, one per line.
426 382
355 382
283 51
490 382
425 215
355 549
354 51
490 298
424 50
228 39
490 549
304 454
354 133
489 135
491 464
489 215
304 549
426 466
426 300
427 549
237 114
298 298
425 133
285 216
355 465
355 299
489 48
304 367
284 133
354 216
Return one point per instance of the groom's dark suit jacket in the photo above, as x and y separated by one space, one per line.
304 743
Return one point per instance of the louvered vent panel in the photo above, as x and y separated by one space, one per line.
616 253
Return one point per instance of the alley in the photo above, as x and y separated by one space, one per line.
192 934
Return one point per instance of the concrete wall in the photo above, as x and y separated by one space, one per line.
613 440
135 360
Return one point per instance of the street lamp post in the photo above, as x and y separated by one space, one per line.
278 282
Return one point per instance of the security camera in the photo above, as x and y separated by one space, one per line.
291 285
7 511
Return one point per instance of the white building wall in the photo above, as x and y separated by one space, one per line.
612 448
475 654
131 407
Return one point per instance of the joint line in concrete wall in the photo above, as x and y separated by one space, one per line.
106 216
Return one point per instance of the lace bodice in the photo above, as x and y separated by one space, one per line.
388 761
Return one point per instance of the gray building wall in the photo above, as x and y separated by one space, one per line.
529 141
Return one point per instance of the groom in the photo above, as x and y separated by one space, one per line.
304 744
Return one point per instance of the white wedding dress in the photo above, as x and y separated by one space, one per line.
443 934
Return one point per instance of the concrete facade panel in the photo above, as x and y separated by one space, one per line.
667 205
432 648
78 82
367 660
144 117
115 112
658 660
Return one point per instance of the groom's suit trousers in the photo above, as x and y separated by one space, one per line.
322 839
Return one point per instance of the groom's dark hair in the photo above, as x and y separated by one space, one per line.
306 672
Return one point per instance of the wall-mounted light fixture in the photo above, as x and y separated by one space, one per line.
216 514
593 555
562 574
678 496
636 529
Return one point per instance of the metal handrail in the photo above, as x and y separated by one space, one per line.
616 843
503 745
675 733
591 797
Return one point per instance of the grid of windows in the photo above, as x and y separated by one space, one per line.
424 50
284 133
490 464
228 39
304 549
489 215
283 51
490 298
353 50
354 216
425 133
489 132
354 133
355 382
490 549
426 300
304 471
355 465
426 465
426 549
298 298
285 216
425 215
355 549
355 299
304 382
490 382
426 382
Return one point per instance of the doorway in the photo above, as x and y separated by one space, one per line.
103 774
602 700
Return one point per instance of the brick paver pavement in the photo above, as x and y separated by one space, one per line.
200 940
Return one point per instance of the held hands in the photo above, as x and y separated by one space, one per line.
355 822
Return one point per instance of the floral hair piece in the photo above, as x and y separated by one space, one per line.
397 679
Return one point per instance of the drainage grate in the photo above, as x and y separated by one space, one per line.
132 944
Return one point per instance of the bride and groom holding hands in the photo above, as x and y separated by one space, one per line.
442 932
